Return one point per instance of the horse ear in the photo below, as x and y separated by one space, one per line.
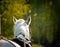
28 20
14 19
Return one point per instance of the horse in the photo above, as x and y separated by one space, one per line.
21 31
22 37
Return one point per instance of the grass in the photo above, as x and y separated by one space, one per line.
36 45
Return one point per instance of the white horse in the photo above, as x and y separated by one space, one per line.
21 30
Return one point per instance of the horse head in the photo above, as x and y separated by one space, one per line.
21 28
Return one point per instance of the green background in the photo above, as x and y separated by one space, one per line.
45 15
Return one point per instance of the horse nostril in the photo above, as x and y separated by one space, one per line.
23 35
16 36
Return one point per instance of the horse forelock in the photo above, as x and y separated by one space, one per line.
21 21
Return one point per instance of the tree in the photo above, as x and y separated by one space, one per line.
10 8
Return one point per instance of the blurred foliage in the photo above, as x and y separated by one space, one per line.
10 8
35 45
44 21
